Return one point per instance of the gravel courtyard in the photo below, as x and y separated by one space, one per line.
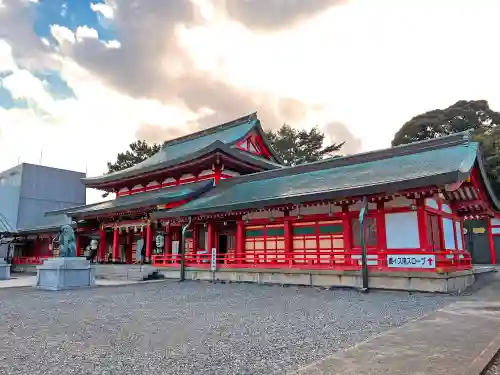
191 328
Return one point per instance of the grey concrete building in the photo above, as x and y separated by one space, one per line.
28 191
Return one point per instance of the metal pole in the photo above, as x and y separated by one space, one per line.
364 265
182 249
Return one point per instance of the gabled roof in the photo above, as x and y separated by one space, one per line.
197 144
140 200
5 226
46 225
429 163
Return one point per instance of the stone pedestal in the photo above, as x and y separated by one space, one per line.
65 273
4 270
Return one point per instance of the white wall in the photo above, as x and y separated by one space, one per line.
460 245
448 234
401 230
431 202
399 202
314 210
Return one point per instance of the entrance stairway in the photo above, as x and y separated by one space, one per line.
134 272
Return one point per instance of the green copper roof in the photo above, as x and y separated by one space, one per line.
188 147
146 199
431 163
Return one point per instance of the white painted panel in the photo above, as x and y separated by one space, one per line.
431 202
401 230
495 221
230 172
399 202
262 215
152 183
123 190
169 180
460 245
186 176
314 210
206 172
447 208
495 230
358 205
449 236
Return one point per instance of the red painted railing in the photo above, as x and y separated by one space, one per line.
30 260
446 261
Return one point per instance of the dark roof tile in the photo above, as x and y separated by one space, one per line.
429 163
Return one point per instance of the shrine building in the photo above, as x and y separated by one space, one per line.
300 225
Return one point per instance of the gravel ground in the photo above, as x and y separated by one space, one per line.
191 328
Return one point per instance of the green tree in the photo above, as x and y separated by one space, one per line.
139 151
461 116
301 146
474 115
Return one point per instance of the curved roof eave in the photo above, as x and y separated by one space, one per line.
267 143
215 146
486 181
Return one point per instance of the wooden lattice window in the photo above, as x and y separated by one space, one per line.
266 242
371 238
433 231
317 240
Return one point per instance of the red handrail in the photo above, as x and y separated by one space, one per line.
30 260
446 261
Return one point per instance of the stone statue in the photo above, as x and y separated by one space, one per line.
67 242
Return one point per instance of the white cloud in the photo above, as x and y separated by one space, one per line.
80 133
371 65
112 44
62 34
7 62
85 32
105 9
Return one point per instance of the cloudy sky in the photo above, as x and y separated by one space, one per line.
81 79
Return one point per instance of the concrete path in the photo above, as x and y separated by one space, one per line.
22 280
461 338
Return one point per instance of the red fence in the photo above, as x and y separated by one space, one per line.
30 260
445 261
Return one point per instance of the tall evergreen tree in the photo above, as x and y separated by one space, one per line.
474 115
301 146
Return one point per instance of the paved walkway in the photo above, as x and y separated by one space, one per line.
23 280
461 338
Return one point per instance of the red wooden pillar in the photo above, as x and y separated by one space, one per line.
217 174
210 237
240 241
288 238
381 232
116 245
78 245
423 233
130 242
492 243
346 225
149 242
347 229
167 244
195 238
49 247
37 246
102 245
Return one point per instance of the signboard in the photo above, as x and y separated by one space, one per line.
213 260
411 261
175 247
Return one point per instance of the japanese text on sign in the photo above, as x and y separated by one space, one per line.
213 260
411 261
